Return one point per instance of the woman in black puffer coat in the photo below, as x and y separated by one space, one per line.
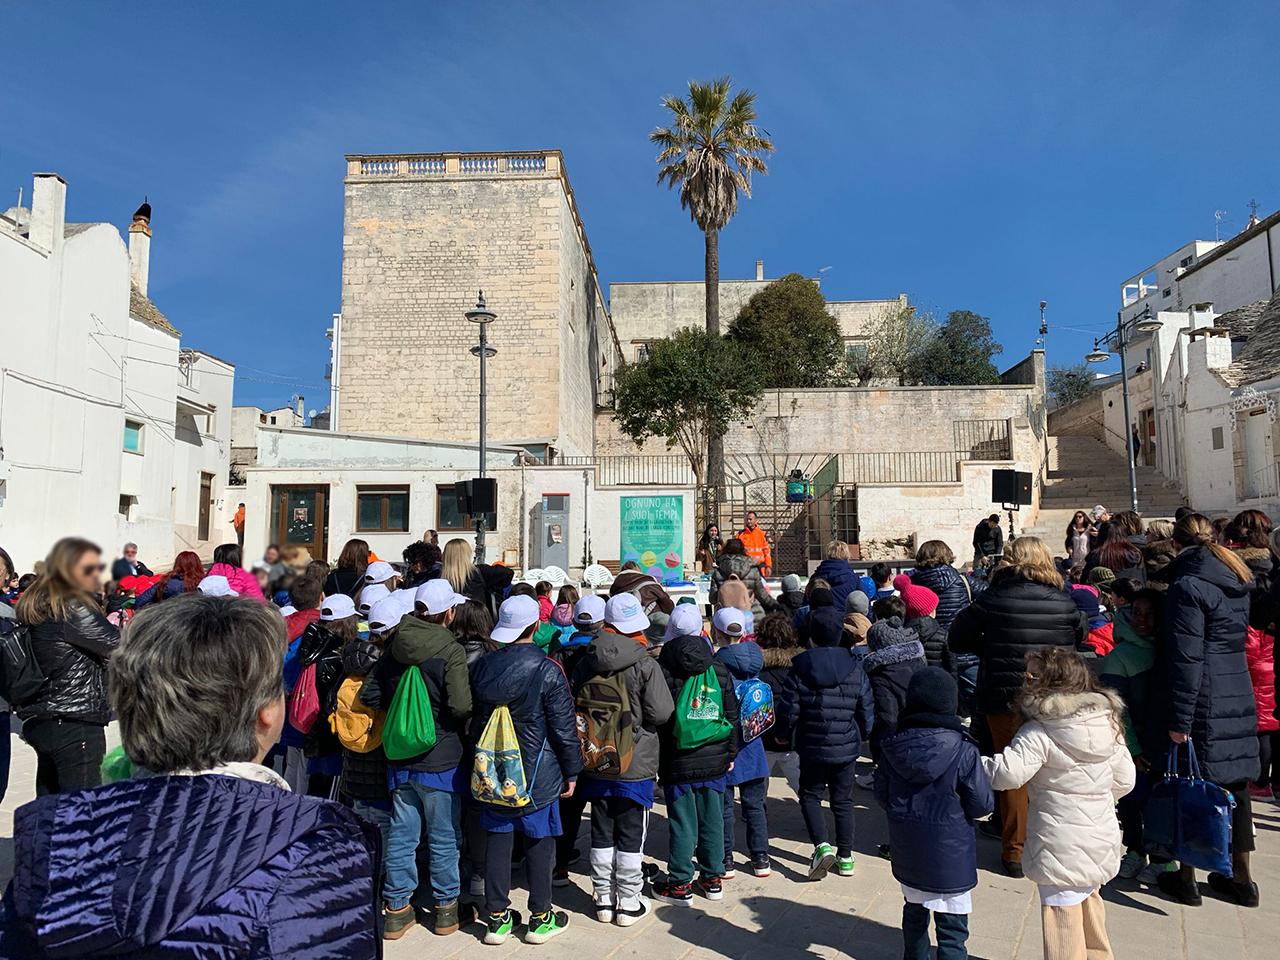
934 570
1203 667
1023 609
71 639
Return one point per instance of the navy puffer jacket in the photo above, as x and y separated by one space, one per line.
895 656
1203 665
682 658
827 706
840 576
191 867
523 678
931 784
949 584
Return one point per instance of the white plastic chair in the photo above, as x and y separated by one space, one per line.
554 576
596 576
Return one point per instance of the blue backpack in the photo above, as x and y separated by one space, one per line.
755 707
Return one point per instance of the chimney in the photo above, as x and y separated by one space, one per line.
301 409
140 246
48 211
759 269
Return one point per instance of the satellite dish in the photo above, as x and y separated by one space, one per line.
311 413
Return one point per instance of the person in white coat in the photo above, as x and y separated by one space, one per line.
1070 753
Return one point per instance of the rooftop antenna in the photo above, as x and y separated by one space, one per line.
1044 325
1219 217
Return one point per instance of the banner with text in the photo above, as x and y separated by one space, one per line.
652 534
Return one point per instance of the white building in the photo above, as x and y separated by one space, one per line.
245 421
109 429
1203 388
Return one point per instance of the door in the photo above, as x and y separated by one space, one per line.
299 517
206 506
1147 436
554 536
1259 464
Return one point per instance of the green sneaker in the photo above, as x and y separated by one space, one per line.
544 926
823 859
499 926
844 866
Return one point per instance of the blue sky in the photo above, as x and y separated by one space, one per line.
975 155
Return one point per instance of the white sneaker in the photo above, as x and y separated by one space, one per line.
624 917
604 912
1131 864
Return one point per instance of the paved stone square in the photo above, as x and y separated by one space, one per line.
784 917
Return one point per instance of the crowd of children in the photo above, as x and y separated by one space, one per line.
475 742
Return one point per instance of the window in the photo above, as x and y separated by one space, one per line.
127 501
1167 292
1186 261
273 421
449 517
132 436
1218 442
382 509
642 352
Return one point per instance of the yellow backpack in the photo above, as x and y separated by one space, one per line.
359 727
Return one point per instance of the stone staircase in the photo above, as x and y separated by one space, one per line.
1084 471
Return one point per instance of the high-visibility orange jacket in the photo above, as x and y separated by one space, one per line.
757 545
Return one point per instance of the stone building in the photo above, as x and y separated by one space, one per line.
109 427
645 311
422 233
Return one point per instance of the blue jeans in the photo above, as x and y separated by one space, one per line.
379 818
751 794
953 932
413 805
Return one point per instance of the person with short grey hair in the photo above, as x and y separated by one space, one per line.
128 565
204 844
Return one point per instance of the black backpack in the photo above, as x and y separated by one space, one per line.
20 675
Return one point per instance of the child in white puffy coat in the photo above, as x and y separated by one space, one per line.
1070 752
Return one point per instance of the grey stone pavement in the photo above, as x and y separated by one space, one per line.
785 917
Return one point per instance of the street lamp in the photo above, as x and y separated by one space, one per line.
481 316
1121 336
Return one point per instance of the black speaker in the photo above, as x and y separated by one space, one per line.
482 494
1012 487
1002 486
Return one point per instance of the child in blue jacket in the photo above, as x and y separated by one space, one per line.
931 783
750 773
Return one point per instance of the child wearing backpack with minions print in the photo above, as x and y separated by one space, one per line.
750 774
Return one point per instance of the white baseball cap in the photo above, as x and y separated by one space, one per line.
624 613
437 596
379 571
371 594
590 609
730 622
516 615
337 607
216 585
686 621
386 614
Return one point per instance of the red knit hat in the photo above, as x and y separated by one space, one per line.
920 601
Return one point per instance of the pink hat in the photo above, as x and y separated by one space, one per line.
920 601
901 582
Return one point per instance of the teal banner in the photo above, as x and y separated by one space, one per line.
652 534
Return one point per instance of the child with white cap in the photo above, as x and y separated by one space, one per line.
686 621
382 572
321 645
426 788
533 689
622 701
588 620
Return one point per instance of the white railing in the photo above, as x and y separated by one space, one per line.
449 164
377 168
426 165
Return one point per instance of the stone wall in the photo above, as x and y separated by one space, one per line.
1080 419
650 311
420 237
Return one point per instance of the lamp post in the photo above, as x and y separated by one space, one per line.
482 316
1121 336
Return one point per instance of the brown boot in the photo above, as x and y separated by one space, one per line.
396 923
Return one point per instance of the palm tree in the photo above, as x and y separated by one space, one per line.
710 150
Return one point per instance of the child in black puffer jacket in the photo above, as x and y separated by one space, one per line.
896 654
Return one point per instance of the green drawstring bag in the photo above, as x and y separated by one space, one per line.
116 766
410 728
700 712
